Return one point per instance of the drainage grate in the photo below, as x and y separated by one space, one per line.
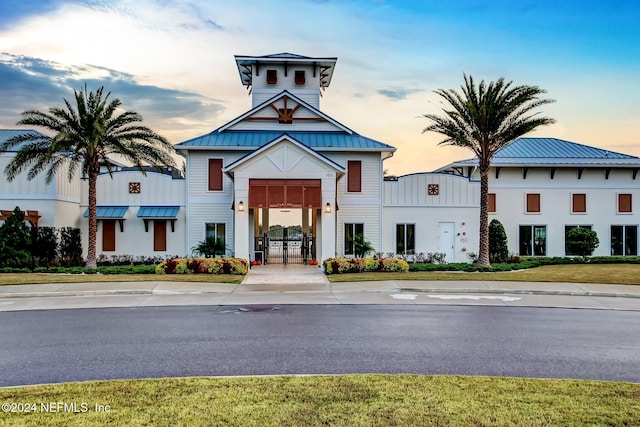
250 309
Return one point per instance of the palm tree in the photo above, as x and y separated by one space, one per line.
85 137
485 119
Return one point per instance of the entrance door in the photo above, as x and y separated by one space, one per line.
447 240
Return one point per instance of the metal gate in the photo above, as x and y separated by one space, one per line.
287 246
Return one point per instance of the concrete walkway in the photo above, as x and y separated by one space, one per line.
295 284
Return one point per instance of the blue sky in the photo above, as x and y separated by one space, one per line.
172 61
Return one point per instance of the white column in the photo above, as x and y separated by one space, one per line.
241 218
328 222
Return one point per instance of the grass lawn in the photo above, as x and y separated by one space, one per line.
36 278
358 400
623 274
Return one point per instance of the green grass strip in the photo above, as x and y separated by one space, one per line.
349 400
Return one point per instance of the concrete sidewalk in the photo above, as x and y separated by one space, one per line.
307 287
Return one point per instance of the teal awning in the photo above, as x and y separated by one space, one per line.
158 212
109 212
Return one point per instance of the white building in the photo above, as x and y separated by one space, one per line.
284 156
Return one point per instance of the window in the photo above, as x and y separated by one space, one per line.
624 203
272 77
299 77
350 231
354 176
159 235
578 203
533 203
405 239
568 228
108 235
217 231
533 240
491 202
215 175
624 240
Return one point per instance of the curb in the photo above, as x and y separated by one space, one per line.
522 292
107 292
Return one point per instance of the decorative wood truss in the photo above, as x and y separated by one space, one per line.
285 114
31 217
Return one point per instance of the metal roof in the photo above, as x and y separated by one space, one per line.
553 152
158 211
109 212
250 140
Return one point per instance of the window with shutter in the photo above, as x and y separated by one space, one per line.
624 203
491 202
533 203
354 176
579 203
215 175
108 235
160 235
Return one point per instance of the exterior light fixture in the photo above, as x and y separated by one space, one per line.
327 208
241 206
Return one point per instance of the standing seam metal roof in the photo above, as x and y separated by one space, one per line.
553 151
256 139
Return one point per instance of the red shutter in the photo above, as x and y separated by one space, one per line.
492 202
160 235
215 174
354 176
624 203
108 235
533 202
579 203
299 77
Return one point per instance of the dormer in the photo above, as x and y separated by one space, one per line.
266 76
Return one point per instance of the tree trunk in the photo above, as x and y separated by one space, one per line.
483 256
93 222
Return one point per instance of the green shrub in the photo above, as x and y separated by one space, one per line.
203 265
498 248
581 241
70 247
358 265
44 247
15 241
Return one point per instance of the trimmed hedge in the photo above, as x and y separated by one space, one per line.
529 262
358 265
203 266
120 269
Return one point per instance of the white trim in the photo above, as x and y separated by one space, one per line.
571 212
279 140
276 98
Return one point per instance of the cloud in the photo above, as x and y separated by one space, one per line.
33 83
398 93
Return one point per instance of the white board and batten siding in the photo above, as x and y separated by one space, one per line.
209 207
454 210
156 189
57 203
362 207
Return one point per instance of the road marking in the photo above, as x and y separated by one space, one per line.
476 297
404 296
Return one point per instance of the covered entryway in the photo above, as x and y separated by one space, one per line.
285 213
284 175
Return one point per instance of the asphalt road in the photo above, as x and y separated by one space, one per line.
90 344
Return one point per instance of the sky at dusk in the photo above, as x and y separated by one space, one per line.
172 61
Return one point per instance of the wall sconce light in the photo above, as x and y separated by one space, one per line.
241 206
327 208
